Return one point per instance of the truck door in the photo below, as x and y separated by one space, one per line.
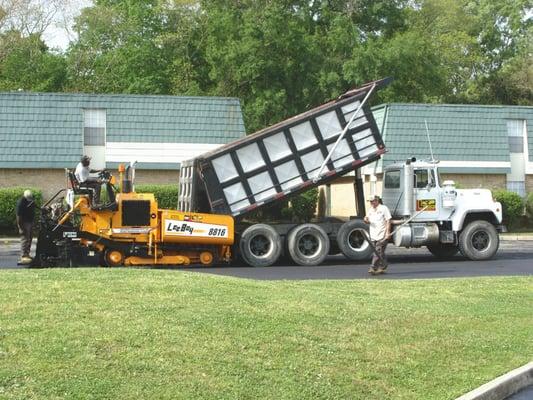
426 194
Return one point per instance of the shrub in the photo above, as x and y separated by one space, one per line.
301 208
512 206
304 205
166 195
8 203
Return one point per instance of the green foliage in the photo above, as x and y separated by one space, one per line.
304 205
26 63
120 49
301 208
166 195
8 204
512 206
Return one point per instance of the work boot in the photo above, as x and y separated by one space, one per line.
381 270
372 271
24 260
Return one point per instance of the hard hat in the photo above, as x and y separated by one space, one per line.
28 194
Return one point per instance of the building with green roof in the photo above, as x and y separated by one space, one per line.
477 146
41 134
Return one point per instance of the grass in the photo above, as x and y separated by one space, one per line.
159 334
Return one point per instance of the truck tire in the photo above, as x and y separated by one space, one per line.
479 240
308 244
351 241
260 245
443 250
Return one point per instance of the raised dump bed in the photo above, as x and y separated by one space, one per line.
281 161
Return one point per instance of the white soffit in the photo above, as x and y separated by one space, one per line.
155 152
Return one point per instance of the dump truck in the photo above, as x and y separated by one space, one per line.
217 191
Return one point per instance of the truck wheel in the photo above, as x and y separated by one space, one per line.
479 240
308 244
443 250
260 245
351 241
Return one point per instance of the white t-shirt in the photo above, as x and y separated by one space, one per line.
82 173
378 218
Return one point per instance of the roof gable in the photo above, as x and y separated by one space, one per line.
457 132
44 130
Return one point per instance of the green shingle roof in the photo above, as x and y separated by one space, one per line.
45 130
457 132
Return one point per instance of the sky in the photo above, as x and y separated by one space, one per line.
56 36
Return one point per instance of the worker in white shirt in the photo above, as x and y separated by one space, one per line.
83 175
380 220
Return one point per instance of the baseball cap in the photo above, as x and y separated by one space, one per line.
374 198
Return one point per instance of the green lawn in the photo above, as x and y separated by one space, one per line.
159 334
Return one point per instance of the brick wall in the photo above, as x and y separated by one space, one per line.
48 180
156 177
529 183
52 180
471 181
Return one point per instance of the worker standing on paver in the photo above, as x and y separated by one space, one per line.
25 218
380 220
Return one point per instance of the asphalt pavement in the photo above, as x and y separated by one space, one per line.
514 258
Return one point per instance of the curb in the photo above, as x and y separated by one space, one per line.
13 240
516 237
503 386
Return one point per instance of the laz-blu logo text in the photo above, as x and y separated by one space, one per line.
191 228
183 227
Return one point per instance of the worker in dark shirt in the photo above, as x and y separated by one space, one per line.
25 217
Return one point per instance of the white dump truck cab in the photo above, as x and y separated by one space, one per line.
438 215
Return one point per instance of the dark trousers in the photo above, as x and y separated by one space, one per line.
381 261
25 238
95 185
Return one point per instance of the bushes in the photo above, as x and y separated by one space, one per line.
512 206
166 195
304 205
8 203
300 208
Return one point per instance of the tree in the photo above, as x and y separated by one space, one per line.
26 63
119 49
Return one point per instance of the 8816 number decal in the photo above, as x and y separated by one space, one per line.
217 232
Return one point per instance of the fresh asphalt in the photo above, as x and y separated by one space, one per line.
514 258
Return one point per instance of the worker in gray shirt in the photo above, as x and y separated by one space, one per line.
25 217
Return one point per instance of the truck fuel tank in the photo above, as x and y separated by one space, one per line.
416 235
196 228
